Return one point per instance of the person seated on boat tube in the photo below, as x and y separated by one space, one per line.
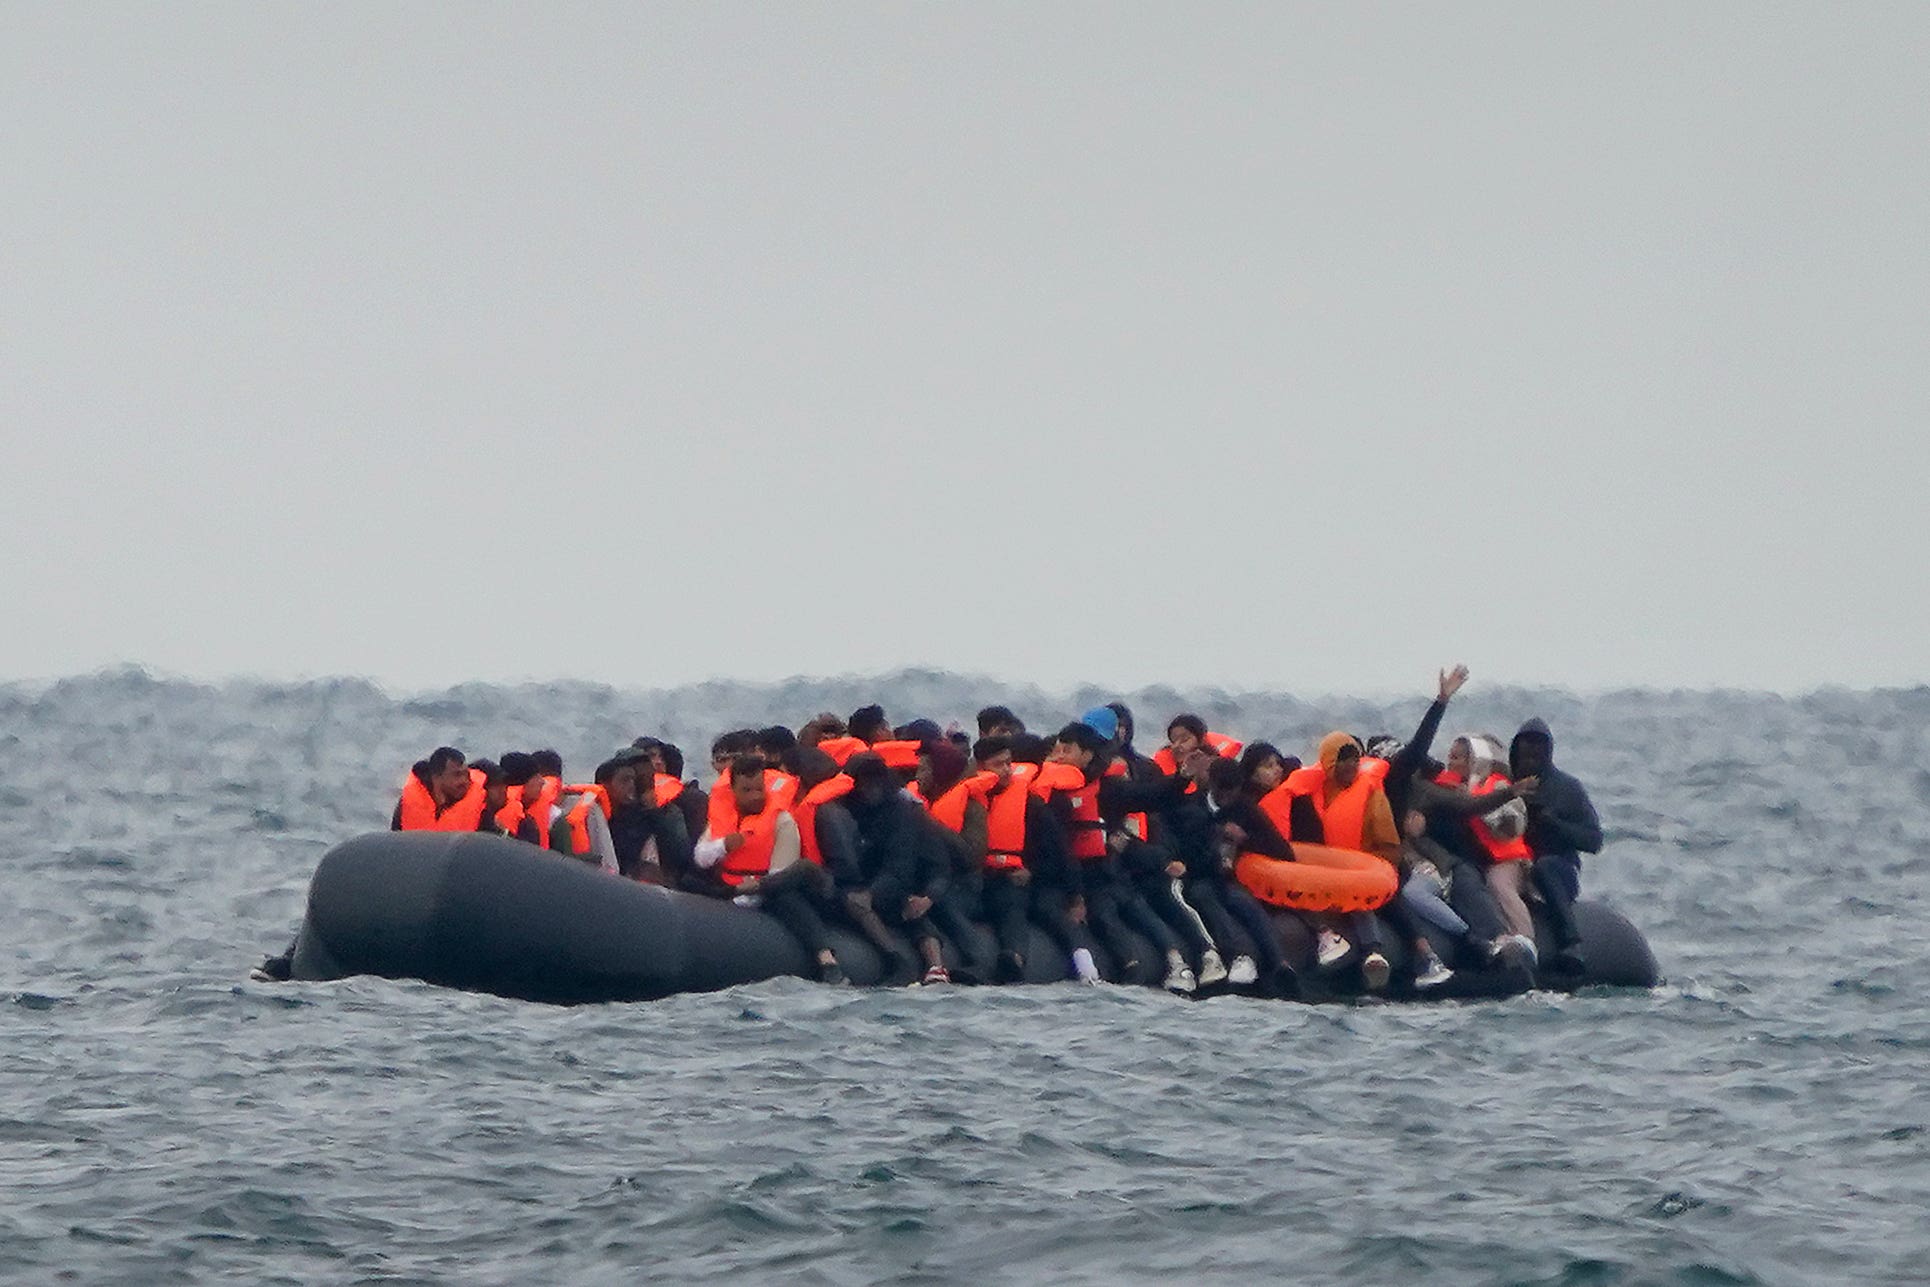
955 798
517 817
1353 813
900 868
1490 838
755 852
1210 821
581 826
440 794
1027 879
1562 826
1142 853
649 829
1444 890
1185 733
495 795
1091 808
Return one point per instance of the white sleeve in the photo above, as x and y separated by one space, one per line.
709 851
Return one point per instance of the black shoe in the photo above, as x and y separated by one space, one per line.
833 974
1011 968
275 969
1568 962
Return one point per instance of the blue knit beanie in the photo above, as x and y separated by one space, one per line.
1101 720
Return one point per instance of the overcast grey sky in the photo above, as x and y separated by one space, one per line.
1261 345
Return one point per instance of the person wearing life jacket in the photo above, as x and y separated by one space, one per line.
956 800
1241 826
903 866
1027 877
543 792
868 730
581 826
1186 732
1147 855
1091 809
756 854
1354 814
1562 826
441 794
495 795
1197 875
647 828
515 817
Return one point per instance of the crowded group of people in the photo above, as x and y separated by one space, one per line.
907 834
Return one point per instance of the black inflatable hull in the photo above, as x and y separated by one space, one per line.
486 914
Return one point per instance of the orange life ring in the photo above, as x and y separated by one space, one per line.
1320 879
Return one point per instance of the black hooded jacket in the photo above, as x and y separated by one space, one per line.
898 844
1561 818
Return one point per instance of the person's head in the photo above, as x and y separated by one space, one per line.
1384 746
999 721
448 775
993 754
1346 764
814 767
1458 757
940 766
872 779
1183 734
518 768
777 744
1030 748
495 785
1533 750
868 724
672 758
820 726
1225 780
1414 825
728 746
747 785
1078 744
546 762
1124 714
618 778
1264 766
922 731
1103 721
652 749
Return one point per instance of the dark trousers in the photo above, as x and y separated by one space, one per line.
1008 907
1178 912
1112 905
794 897
1469 897
1223 905
1558 879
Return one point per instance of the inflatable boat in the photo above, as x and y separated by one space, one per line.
487 914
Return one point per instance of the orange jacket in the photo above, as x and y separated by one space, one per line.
1224 747
419 812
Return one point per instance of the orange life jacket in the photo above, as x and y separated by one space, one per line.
1343 816
419 806
1500 850
1224 747
753 857
806 813
779 786
1277 804
539 812
949 807
578 814
842 749
511 815
1086 832
668 788
1005 820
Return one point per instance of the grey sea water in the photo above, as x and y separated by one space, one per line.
1762 1118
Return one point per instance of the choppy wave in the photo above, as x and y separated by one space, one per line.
1760 1119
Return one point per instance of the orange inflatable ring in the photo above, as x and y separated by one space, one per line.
1320 879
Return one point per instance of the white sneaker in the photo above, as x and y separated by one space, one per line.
1244 971
1212 968
1375 970
1433 972
1180 979
1331 948
1083 967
